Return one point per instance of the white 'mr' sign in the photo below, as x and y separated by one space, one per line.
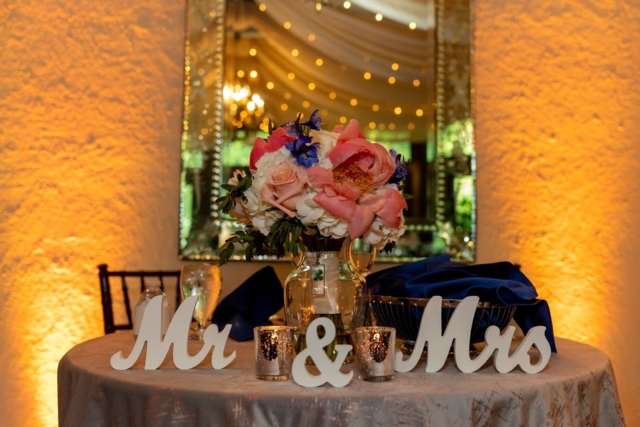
178 335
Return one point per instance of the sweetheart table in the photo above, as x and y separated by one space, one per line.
577 388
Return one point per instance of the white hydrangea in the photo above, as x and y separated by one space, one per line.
265 219
309 212
331 226
380 235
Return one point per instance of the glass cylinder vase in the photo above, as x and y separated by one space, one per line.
325 283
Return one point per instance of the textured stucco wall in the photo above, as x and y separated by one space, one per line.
90 103
559 164
89 128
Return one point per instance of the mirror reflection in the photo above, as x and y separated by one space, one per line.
251 62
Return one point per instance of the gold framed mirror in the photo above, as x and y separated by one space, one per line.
403 69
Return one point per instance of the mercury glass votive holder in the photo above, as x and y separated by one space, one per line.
274 352
375 348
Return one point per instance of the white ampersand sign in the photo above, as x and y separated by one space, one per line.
329 371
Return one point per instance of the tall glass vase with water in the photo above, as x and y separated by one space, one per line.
325 283
205 282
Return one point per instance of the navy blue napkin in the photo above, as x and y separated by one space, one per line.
250 304
497 283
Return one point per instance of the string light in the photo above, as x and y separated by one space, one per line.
353 102
240 73
287 95
291 76
397 110
412 25
253 74
411 126
311 37
319 62
262 7
375 107
287 25
378 17
253 52
392 80
318 6
284 107
419 112
270 85
394 66
416 82
367 75
343 120
312 86
392 126
381 126
372 125
346 4
332 95
305 104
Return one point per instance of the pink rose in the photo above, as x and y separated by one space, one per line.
283 187
273 143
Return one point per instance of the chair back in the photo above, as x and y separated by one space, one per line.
126 278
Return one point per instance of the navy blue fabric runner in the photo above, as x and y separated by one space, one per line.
250 304
497 283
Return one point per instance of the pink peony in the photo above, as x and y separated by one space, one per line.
360 160
283 187
387 204
273 143
353 189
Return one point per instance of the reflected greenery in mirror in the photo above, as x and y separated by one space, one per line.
402 69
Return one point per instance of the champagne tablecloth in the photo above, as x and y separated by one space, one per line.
576 389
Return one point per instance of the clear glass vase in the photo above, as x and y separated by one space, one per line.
325 283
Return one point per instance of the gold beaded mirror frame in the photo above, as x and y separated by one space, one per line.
403 69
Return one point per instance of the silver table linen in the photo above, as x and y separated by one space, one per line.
577 388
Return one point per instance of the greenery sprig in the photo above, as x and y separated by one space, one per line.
228 201
285 236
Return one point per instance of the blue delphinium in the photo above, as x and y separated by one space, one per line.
401 171
314 121
305 151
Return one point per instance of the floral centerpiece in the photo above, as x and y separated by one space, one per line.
306 192
307 188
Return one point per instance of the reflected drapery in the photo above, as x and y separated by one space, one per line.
403 11
348 44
